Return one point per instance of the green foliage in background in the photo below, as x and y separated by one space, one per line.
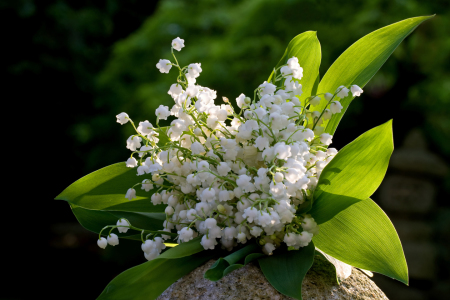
245 38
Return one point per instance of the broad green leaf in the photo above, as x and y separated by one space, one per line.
95 220
286 271
361 61
150 279
106 189
217 270
306 47
364 237
354 173
98 199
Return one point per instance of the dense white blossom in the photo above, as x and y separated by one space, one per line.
231 176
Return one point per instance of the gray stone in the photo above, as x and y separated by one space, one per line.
250 283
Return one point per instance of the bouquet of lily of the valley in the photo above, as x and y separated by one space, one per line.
252 179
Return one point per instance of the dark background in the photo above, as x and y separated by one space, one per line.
68 67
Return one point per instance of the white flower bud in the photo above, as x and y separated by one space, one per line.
131 162
268 248
210 223
315 101
102 242
151 255
162 112
164 65
335 107
113 239
342 91
123 222
131 194
278 177
208 243
148 246
328 96
177 44
242 237
169 210
122 118
134 142
327 114
356 90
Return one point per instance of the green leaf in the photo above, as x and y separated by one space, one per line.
106 189
364 237
359 63
354 173
150 279
98 199
95 220
306 47
217 270
286 271
248 259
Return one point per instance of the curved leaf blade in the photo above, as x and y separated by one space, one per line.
306 47
95 220
98 199
359 63
363 236
286 271
354 173
219 268
106 188
150 279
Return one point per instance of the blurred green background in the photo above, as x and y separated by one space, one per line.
76 64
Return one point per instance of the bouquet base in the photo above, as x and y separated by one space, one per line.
249 283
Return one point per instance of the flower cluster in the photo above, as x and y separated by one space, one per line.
231 176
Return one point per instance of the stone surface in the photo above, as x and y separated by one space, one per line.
249 283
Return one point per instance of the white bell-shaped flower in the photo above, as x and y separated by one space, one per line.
164 65
177 44
122 118
113 239
121 223
131 194
356 90
102 242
